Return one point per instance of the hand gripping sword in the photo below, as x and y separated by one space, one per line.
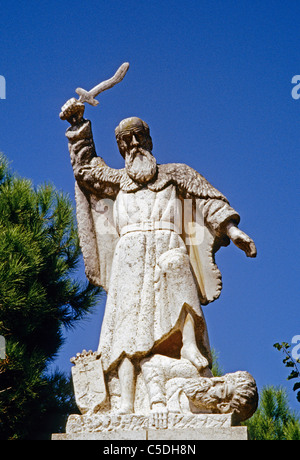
89 96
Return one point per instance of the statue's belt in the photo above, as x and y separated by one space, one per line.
149 226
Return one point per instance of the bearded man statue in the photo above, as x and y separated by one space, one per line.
148 234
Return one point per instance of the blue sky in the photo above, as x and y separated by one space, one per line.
213 81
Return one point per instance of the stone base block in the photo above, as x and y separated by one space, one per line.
136 427
238 433
109 422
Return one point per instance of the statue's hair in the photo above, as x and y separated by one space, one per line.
245 400
129 123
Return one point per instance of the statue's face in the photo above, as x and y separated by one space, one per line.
135 146
133 133
222 391
134 139
235 392
222 394
212 393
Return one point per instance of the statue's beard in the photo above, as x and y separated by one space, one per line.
140 165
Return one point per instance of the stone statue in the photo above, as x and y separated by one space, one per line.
148 234
175 385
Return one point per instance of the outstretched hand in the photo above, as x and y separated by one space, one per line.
159 416
241 240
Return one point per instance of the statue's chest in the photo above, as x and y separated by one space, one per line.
144 204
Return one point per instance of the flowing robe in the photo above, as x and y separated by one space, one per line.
145 263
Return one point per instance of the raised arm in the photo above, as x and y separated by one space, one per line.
90 171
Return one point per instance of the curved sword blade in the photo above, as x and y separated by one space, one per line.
88 96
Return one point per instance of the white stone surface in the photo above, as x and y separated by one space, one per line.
103 436
107 423
206 434
191 434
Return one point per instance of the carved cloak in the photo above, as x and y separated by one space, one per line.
205 214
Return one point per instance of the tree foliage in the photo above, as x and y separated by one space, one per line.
39 255
216 369
292 364
273 419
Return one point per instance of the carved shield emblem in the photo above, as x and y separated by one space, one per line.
88 381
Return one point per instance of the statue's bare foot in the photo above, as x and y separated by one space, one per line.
192 353
126 409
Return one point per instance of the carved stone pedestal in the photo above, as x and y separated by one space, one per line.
109 427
